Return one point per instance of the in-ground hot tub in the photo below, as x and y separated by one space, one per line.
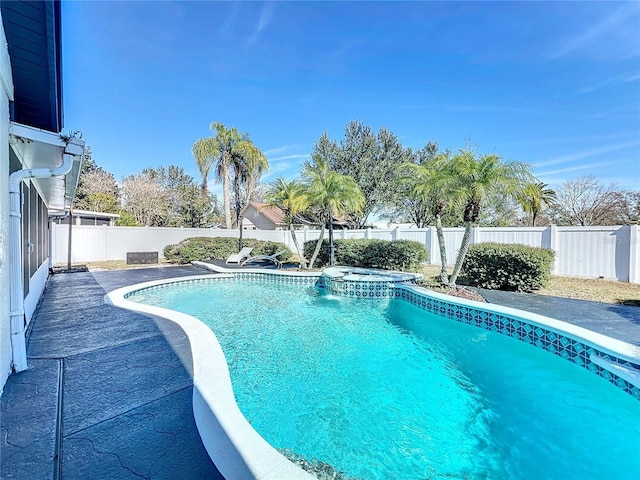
364 282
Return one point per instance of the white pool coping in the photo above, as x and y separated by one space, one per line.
238 451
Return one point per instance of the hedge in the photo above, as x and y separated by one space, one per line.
219 248
512 267
388 255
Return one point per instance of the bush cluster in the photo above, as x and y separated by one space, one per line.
510 267
219 248
388 255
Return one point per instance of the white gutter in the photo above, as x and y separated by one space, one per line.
16 306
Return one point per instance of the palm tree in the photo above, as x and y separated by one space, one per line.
478 178
247 164
216 151
433 183
293 200
534 197
332 194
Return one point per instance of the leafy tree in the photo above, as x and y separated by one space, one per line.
97 189
331 194
248 163
586 201
408 204
371 159
433 187
534 197
126 220
476 179
145 198
221 151
628 210
102 202
187 206
291 197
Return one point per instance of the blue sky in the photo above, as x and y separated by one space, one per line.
556 85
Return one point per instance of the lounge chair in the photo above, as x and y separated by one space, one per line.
240 256
265 258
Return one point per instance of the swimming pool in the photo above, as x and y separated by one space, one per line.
381 389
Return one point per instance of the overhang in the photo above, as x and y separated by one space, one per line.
36 148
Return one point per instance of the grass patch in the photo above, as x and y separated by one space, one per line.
595 290
107 265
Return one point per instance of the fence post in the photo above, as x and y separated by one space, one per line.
475 235
367 233
634 246
553 242
394 234
434 247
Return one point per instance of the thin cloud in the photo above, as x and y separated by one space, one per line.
229 22
573 169
290 157
275 151
619 80
266 14
585 154
617 23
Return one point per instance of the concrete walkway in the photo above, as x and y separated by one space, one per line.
108 392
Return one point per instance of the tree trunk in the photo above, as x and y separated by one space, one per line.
318 245
205 187
303 261
226 197
464 247
444 277
332 256
533 218
236 191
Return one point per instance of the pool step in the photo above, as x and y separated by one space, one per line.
629 374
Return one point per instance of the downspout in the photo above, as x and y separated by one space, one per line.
16 306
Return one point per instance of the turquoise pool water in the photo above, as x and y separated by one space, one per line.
382 390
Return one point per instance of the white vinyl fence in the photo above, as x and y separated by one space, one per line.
608 252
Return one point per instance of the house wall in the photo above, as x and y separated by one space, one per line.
6 93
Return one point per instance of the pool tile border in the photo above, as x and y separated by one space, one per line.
569 347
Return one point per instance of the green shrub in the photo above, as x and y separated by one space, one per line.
219 248
510 267
371 253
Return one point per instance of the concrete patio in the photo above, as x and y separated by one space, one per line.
108 392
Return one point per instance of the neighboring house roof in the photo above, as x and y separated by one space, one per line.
33 32
272 213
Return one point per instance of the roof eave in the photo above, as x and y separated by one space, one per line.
37 148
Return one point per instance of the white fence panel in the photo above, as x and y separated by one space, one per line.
593 252
608 252
524 236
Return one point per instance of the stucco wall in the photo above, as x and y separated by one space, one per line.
6 92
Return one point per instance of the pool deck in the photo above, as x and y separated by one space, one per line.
108 391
